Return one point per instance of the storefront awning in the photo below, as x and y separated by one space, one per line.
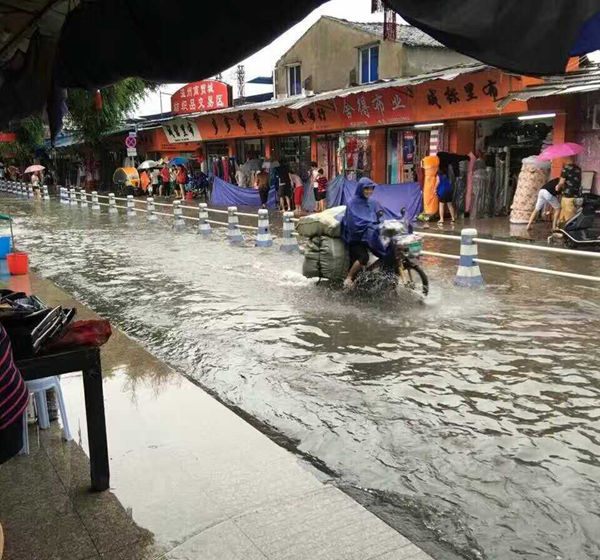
445 74
578 81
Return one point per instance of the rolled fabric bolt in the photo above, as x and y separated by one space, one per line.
95 203
289 244
130 206
112 204
468 274
263 238
203 225
178 221
45 193
233 224
83 198
152 217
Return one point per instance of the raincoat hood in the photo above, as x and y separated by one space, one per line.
361 220
364 183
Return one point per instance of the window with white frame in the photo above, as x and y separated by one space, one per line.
369 64
294 80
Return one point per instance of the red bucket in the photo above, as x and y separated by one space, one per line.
18 263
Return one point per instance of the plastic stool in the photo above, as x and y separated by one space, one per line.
38 388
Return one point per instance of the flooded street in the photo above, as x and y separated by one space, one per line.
471 421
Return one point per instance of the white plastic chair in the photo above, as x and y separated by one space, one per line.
38 388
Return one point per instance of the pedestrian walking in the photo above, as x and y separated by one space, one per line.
155 181
165 187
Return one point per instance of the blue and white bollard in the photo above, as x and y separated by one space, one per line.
289 244
112 205
178 221
468 274
263 238
83 198
130 206
152 217
45 193
233 223
73 197
63 195
95 203
203 225
23 189
30 191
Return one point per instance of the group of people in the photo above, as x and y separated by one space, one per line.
165 180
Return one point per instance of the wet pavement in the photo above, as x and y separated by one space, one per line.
469 423
190 480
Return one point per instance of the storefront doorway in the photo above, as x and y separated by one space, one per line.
328 150
250 148
405 149
295 152
356 154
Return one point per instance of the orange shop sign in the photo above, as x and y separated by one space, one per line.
8 137
207 95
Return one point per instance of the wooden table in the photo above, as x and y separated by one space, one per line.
86 360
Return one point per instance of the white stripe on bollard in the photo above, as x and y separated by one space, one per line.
288 241
233 232
112 205
130 206
178 221
95 202
152 217
203 225
83 198
263 238
468 274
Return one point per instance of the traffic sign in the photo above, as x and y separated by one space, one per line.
131 152
131 141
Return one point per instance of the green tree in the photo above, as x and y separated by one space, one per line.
30 135
119 100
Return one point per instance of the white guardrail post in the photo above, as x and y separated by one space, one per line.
130 206
288 242
95 203
112 204
30 191
468 274
263 238
152 217
73 197
178 221
234 233
45 193
83 198
203 225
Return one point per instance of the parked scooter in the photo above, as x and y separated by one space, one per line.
582 231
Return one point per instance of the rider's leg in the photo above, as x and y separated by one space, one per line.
353 271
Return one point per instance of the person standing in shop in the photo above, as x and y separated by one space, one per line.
443 189
262 184
298 187
182 179
165 187
321 195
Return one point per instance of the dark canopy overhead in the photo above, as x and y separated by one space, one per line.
522 36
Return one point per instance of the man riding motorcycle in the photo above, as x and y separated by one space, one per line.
361 229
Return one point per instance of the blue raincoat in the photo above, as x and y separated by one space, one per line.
361 222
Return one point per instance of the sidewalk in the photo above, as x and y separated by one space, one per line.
189 480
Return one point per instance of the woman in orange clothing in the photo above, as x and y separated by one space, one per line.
430 165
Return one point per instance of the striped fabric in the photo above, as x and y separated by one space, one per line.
13 391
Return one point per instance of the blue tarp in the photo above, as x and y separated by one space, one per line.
226 194
391 197
308 198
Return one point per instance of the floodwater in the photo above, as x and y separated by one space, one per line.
471 423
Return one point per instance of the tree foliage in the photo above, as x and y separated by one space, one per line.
118 101
29 136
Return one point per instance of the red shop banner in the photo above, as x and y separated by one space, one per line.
207 95
381 106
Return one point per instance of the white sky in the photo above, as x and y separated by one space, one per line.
262 62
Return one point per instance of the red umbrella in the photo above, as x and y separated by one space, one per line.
557 151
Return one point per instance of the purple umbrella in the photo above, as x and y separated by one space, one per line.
557 151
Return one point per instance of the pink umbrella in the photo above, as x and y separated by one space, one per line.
34 168
557 151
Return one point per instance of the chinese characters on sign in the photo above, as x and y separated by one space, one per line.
452 94
208 95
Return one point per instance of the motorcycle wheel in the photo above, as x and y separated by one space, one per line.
418 281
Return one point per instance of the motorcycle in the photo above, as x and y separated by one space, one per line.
400 267
579 231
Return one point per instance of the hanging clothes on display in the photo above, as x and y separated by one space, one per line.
460 188
430 166
479 197
533 176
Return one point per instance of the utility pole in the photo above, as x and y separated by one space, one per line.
240 75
